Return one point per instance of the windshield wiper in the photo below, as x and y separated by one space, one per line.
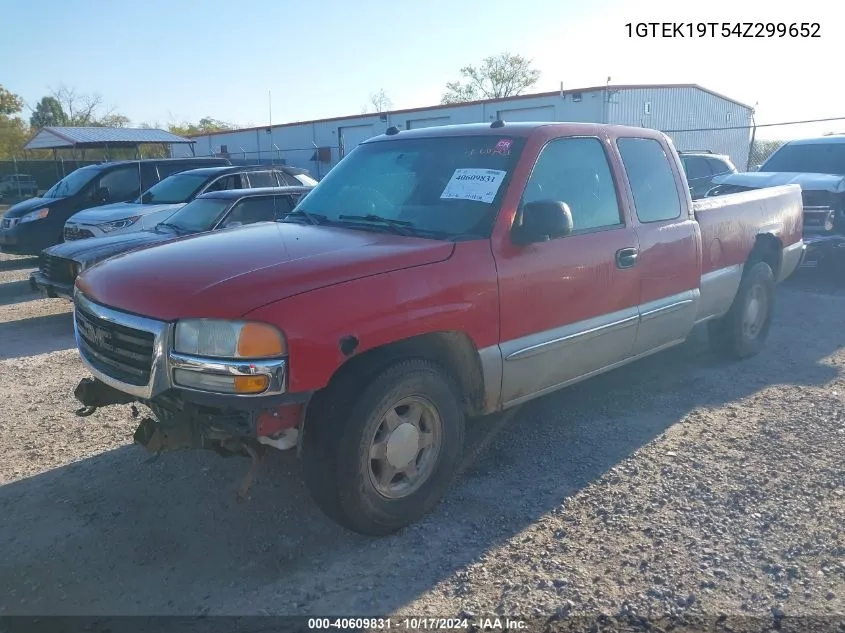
312 218
176 228
402 227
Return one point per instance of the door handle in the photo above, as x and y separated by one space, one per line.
627 257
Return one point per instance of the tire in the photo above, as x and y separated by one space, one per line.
743 331
355 489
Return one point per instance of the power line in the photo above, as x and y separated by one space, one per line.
759 125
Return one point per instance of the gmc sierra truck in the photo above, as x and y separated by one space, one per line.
432 275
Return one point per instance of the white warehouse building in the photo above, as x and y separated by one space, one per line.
695 118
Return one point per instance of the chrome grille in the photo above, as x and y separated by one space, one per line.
57 268
121 352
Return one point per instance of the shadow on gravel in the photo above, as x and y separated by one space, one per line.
18 263
36 335
114 534
17 292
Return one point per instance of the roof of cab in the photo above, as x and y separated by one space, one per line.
232 194
519 129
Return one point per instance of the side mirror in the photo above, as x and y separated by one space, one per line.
102 194
541 221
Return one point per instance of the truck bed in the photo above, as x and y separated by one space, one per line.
731 223
730 226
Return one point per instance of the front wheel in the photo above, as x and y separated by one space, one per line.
743 331
387 460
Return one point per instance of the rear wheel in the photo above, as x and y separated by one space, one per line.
381 457
743 331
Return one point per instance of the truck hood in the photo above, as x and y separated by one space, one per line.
761 179
22 208
96 249
118 211
225 274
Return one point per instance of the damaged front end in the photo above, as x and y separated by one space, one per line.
234 406
178 424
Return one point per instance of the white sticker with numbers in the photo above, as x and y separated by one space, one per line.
474 184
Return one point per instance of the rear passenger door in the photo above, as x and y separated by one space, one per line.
669 258
568 305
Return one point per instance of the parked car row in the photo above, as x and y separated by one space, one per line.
59 265
434 274
107 198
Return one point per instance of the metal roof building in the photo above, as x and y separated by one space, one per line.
82 138
694 117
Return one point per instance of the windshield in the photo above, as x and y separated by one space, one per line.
73 183
197 216
444 187
173 189
814 158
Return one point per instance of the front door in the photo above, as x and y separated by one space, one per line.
568 305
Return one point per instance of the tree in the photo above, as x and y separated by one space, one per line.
380 101
10 103
48 112
13 129
502 75
205 126
13 136
83 110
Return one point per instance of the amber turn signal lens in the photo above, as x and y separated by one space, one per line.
260 340
251 384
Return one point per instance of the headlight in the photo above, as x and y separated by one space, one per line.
247 341
38 214
118 224
216 338
829 221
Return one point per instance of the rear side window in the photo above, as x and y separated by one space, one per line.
720 167
225 183
652 180
261 179
696 168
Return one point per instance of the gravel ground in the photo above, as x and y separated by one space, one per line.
682 487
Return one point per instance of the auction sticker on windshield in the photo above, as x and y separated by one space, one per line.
474 184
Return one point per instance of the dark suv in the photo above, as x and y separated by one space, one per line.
702 167
30 226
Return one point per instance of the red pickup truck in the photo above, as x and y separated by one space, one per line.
432 275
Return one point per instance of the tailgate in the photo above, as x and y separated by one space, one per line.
731 223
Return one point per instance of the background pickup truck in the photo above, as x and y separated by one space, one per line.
818 166
59 265
432 275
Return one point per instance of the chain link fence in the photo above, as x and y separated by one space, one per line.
749 146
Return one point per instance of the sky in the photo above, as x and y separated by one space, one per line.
163 61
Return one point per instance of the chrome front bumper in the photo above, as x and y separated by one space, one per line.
165 360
